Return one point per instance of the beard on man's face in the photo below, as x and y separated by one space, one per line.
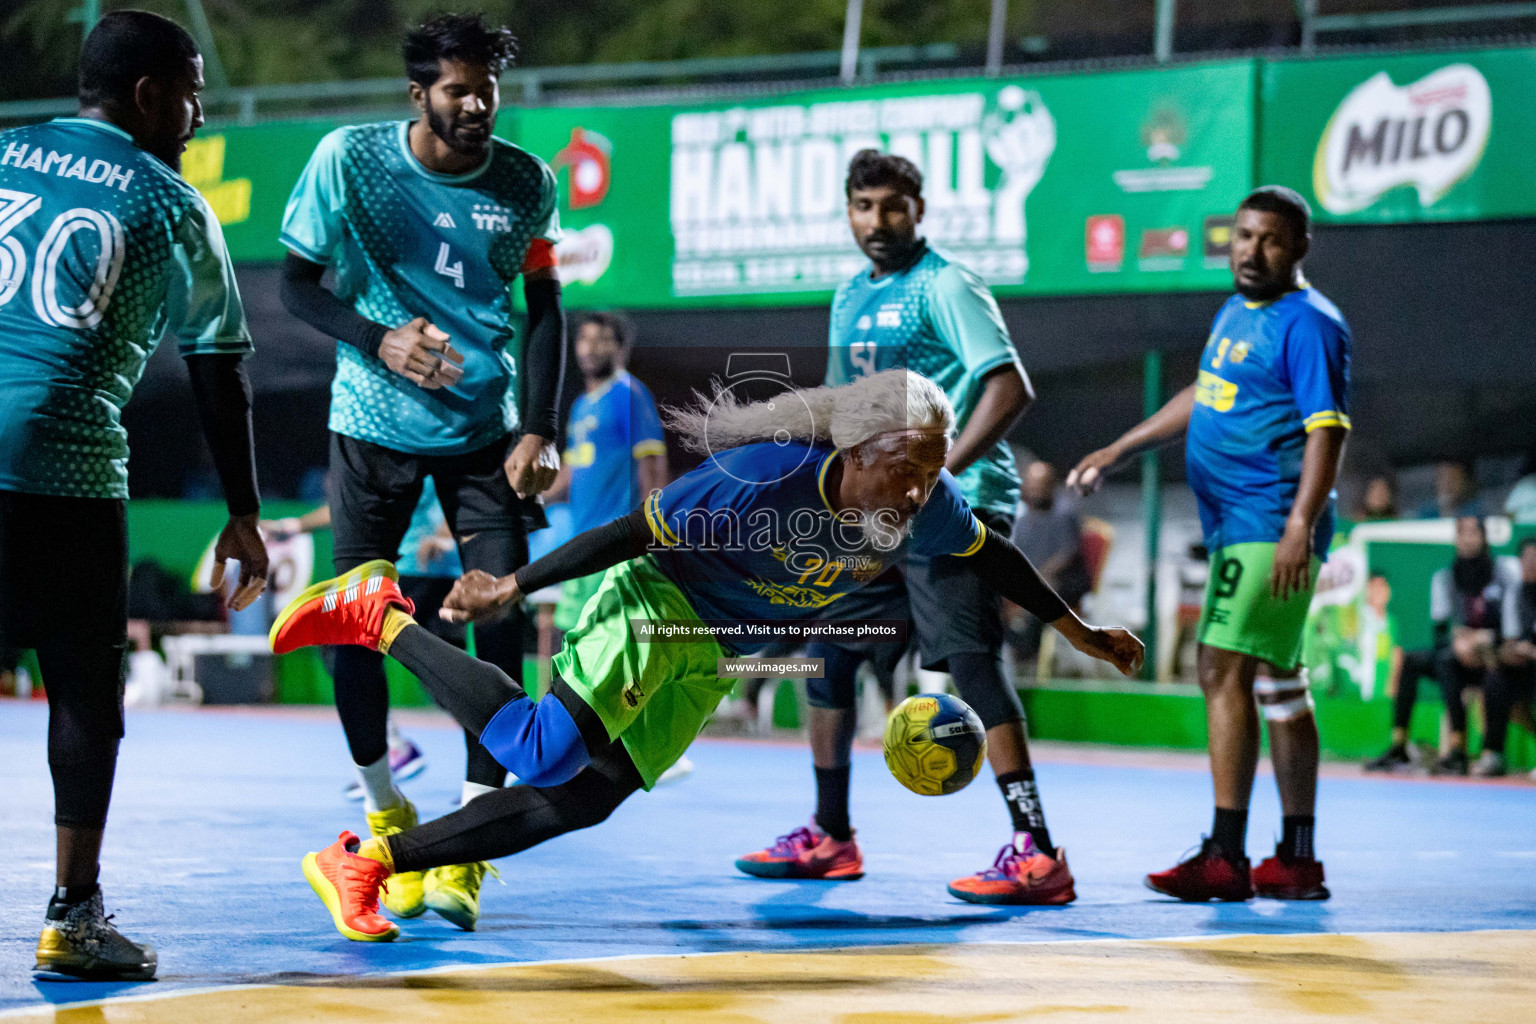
466 135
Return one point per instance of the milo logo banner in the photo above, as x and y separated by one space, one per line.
1439 137
1110 182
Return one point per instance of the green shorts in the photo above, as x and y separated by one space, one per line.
655 697
574 595
1240 614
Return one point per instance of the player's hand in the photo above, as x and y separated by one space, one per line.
1119 647
478 594
1292 572
241 541
1087 476
420 352
532 466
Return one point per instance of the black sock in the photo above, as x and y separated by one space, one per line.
1296 837
69 895
1023 799
832 802
1230 833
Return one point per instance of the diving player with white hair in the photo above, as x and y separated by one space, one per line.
764 531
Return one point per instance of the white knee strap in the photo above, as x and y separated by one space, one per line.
1282 700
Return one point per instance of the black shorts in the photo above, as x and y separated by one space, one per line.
374 490
63 571
949 610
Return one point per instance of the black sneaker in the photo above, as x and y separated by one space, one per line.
1394 758
79 941
1452 763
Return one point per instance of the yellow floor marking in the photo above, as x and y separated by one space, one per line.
1424 978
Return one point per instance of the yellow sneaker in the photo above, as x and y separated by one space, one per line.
454 891
403 896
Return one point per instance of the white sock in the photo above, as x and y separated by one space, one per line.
472 790
379 790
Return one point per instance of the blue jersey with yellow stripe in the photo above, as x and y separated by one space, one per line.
752 534
1271 373
608 433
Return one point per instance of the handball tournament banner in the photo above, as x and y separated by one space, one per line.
1442 136
1114 182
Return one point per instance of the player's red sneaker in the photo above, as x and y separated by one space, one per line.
1275 879
349 886
806 853
1021 875
1206 876
346 610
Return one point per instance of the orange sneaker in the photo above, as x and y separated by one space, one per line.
1022 875
346 610
806 853
349 887
1276 879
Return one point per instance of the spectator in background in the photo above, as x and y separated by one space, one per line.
1508 690
1466 602
1455 493
1521 503
1380 628
1050 533
1379 499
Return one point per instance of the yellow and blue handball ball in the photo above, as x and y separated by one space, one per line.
934 744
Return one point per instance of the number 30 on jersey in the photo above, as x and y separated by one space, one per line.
16 207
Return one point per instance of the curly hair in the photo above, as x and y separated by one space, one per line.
461 37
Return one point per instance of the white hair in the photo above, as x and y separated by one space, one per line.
846 416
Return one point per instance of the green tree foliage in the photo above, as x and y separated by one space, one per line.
272 41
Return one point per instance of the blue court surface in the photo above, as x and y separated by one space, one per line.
214 809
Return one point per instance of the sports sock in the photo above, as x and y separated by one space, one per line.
69 895
472 790
832 802
377 849
379 792
1230 833
1296 837
1023 799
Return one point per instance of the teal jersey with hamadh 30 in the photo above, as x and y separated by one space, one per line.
103 248
407 242
936 318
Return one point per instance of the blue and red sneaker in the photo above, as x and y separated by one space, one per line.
1022 875
806 853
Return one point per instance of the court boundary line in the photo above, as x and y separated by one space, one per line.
147 997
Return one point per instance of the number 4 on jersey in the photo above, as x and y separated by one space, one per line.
454 270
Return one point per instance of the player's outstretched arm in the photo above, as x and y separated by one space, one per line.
1006 570
222 393
1163 426
478 594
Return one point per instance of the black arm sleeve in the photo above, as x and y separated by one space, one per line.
543 363
307 299
222 393
584 554
1004 568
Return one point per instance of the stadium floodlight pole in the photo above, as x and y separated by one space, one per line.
1151 505
87 14
213 68
996 29
853 23
1162 43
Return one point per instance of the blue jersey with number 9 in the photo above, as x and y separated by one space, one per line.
102 247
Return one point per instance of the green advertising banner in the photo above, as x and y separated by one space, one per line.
1115 182
1445 136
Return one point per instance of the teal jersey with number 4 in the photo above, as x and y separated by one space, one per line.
407 242
936 318
103 247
